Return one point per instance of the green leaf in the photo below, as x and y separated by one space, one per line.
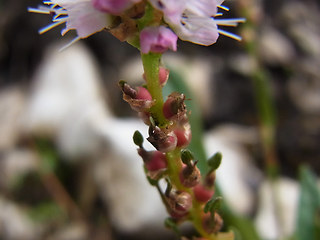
225 236
170 223
215 161
46 212
213 205
308 222
48 154
186 156
138 138
242 226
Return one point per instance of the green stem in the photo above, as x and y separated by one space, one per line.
174 168
151 62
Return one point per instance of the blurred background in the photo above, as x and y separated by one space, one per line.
68 166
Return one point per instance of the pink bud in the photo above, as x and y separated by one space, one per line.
157 40
157 161
143 94
183 136
167 109
163 75
202 194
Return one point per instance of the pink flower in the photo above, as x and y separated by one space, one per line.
172 9
193 20
157 39
78 15
114 7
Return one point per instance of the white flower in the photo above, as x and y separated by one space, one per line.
78 15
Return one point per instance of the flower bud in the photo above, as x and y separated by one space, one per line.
202 194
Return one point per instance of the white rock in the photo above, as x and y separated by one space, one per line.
66 84
67 101
236 175
303 26
11 109
277 221
274 47
134 204
15 163
14 223
74 231
304 87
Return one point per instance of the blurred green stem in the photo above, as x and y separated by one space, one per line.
252 10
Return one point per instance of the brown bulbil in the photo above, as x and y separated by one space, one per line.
162 139
139 99
174 107
212 224
179 203
190 176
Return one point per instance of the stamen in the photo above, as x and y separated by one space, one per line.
233 22
223 7
70 43
58 18
59 15
230 35
64 31
37 10
49 27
